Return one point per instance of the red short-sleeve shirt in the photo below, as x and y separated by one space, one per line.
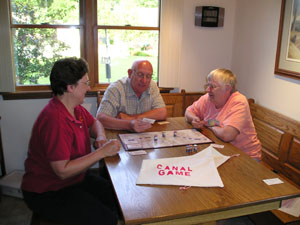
56 135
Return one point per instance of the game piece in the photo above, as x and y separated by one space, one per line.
175 133
163 134
195 148
187 148
155 138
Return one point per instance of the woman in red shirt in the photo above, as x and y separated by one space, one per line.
57 184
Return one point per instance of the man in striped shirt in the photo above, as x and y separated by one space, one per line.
127 101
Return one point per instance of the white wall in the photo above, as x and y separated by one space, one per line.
254 50
203 48
17 118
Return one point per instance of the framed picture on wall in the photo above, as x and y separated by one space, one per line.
288 46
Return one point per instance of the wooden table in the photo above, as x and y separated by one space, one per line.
243 193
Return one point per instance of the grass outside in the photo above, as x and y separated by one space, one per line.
119 67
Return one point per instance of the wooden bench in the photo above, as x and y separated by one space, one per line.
280 139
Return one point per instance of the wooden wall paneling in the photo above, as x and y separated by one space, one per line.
269 136
190 98
174 102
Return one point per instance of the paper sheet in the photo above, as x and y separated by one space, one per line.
196 170
291 206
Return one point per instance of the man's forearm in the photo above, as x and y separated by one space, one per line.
156 114
113 123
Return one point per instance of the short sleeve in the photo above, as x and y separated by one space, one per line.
110 103
158 101
197 108
238 115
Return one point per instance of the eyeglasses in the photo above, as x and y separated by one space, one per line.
211 86
141 75
87 83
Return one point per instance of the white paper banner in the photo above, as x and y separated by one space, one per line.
291 206
195 170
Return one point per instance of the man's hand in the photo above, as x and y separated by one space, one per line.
138 125
111 147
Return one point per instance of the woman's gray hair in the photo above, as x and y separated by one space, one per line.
223 76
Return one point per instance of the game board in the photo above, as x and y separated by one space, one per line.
162 139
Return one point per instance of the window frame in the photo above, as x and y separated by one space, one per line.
88 41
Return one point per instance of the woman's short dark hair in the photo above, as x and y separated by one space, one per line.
66 72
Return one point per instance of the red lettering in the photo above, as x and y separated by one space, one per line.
189 169
159 166
175 168
167 168
187 174
182 168
161 172
179 173
170 173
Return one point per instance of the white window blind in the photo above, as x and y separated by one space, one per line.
7 82
170 42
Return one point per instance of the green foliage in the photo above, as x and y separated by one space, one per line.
148 3
140 53
31 59
36 50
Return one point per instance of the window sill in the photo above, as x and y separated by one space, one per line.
35 95
48 94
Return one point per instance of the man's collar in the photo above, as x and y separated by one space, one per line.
132 92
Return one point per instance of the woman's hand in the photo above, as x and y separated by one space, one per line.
100 141
197 123
111 147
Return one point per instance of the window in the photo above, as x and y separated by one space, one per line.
46 30
127 30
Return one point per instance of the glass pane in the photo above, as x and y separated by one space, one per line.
35 51
118 49
128 12
62 12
